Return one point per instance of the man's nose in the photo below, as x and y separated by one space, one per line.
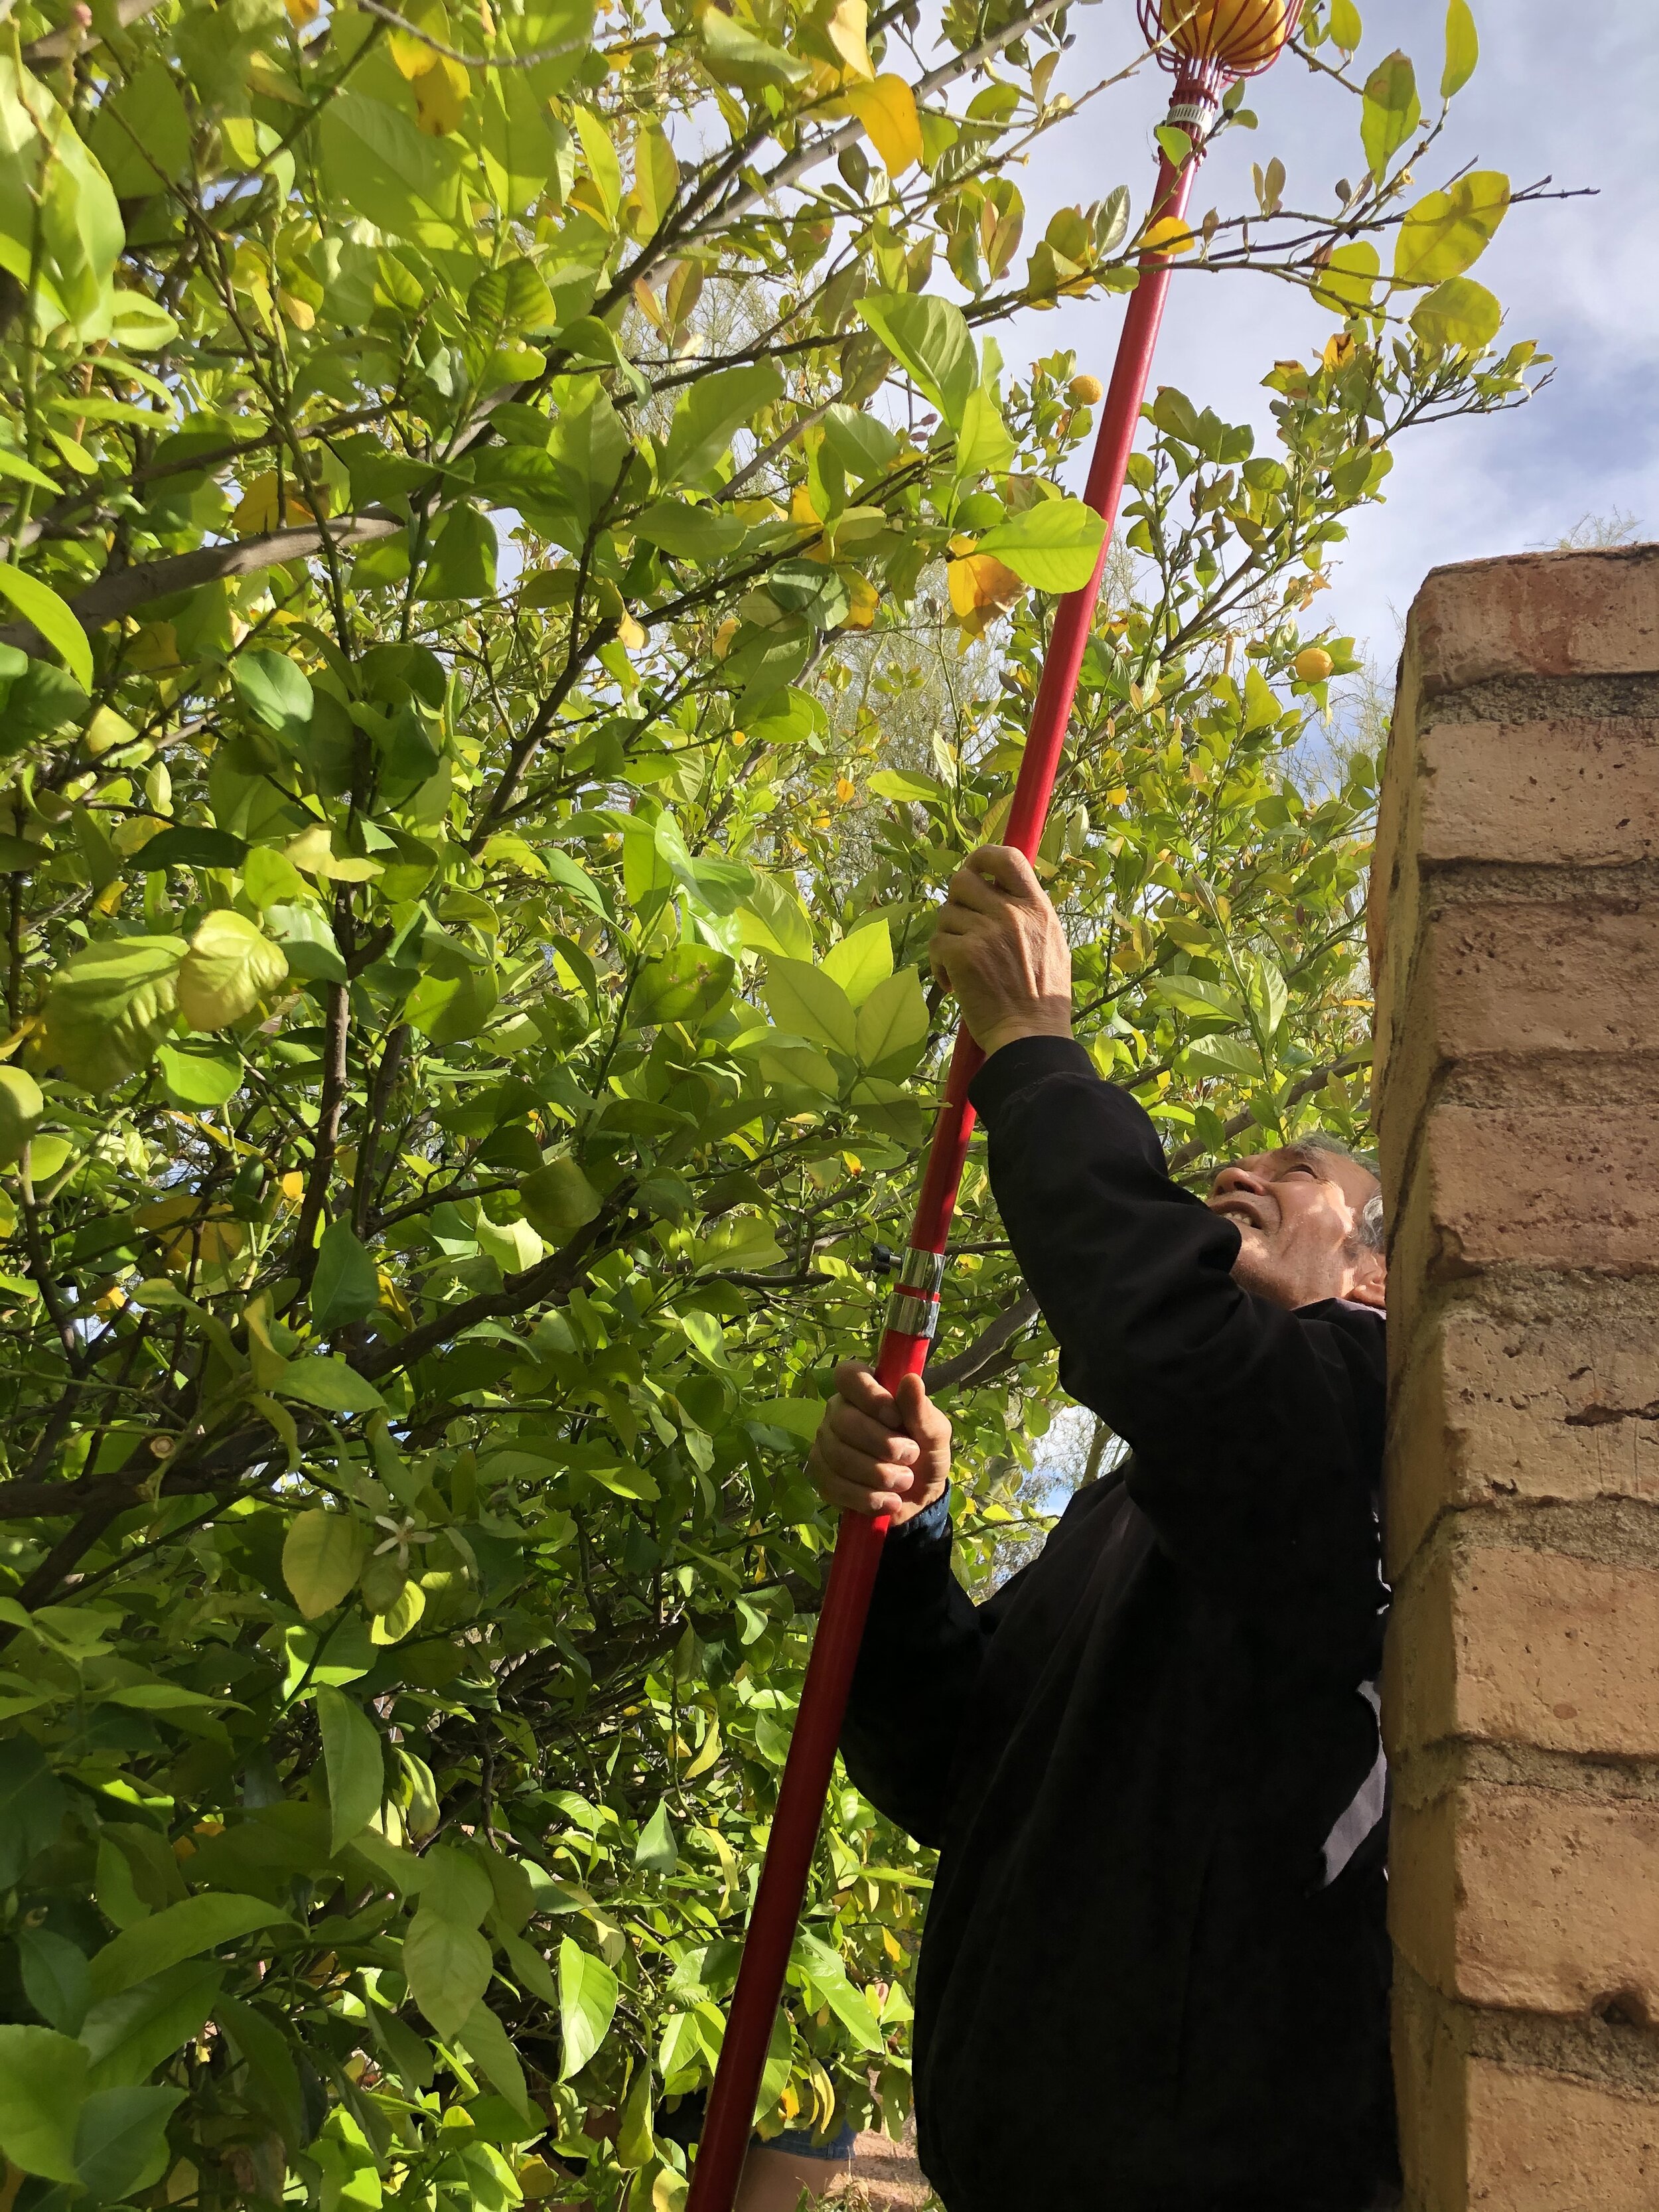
1237 1177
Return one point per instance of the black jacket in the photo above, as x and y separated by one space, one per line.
1154 1976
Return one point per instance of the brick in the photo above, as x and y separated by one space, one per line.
1563 793
1542 2142
1512 979
1489 1409
1530 1900
1540 614
1498 1644
1567 794
1538 1186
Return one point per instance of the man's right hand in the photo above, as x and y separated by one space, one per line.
878 1451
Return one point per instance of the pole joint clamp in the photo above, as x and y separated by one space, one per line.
913 1309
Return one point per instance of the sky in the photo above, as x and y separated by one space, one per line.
1569 92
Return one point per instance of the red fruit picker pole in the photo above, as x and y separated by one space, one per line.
1206 43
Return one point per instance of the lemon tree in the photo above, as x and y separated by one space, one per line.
524 569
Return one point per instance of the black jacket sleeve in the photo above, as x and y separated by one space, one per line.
1255 1431
918 1665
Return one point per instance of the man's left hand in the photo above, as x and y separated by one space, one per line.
999 945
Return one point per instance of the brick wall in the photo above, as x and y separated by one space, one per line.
1515 945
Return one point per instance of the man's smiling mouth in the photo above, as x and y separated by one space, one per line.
1249 1213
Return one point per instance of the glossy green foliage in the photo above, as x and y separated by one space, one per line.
520 587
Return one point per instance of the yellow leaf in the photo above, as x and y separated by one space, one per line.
300 313
440 93
230 967
412 55
1339 350
865 601
845 31
302 12
257 510
630 635
1169 235
887 109
802 510
979 582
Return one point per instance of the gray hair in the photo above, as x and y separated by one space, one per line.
1369 1234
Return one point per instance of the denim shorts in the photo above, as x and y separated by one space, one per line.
798 2142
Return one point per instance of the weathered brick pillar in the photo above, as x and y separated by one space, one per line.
1515 944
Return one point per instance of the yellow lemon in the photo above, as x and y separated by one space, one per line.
1084 390
1313 664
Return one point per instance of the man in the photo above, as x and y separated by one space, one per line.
1155 1970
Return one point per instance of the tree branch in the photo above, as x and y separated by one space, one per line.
120 591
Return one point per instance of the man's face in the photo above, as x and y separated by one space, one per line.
1298 1211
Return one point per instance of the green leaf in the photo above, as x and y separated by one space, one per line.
892 1026
773 920
195 1078
904 783
109 1009
346 1284
683 982
930 340
178 1931
1054 545
982 441
1223 1055
54 1973
656 1850
808 1003
736 56
449 1009
1348 280
272 2082
189 846
39 604
121 2139
447 1966
850 2006
275 692
323 1554
455 1887
591 450
1462 48
1445 232
324 1381
21 471
1459 312
588 2004
43 2078
558 1200
129 2035
1390 112
21 1108
141 134
462 565
356 1764
485 2040
709 414
861 960
1190 994
1346 28
690 533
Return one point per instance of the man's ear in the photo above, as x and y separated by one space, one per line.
1369 1286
